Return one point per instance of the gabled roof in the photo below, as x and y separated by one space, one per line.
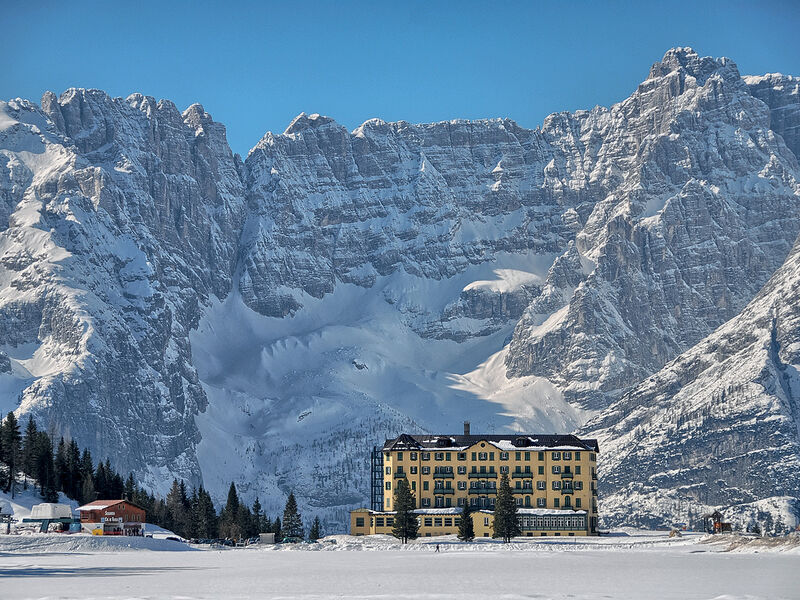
402 442
504 441
103 504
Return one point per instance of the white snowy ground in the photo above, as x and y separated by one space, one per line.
634 565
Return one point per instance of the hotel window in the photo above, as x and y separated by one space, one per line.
462 456
527 468
426 470
491 455
388 470
413 470
425 485
400 470
577 469
567 456
555 502
359 521
457 521
541 502
592 456
474 456
413 485
437 522
541 485
578 485
577 502
485 521
556 469
541 469
428 521
388 485
399 456
413 456
448 521
462 470
556 456
527 456
519 501
504 469
518 485
379 521
426 456
426 502
462 485
483 455
461 501
577 456
556 485
504 456
447 456
389 521
541 455
518 455
527 500
387 456
438 455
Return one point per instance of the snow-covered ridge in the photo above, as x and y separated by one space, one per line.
269 321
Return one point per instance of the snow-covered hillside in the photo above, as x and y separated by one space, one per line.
190 314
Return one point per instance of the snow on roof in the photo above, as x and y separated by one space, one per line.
99 505
505 442
545 512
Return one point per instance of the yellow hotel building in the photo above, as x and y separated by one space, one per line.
553 478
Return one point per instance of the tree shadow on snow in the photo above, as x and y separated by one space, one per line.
86 571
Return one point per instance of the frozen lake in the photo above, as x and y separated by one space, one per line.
636 567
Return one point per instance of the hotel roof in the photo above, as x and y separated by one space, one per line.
505 442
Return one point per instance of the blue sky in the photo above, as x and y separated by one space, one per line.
255 65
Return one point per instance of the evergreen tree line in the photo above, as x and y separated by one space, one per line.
189 514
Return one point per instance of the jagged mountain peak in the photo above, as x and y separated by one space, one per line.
198 313
305 121
686 60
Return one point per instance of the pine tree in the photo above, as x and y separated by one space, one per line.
178 509
11 453
74 470
315 531
88 493
276 529
258 516
205 517
292 522
29 450
505 513
130 489
45 468
62 474
406 525
228 518
466 528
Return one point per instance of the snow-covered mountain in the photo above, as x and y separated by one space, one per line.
188 313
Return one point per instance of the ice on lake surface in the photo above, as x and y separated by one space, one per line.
632 565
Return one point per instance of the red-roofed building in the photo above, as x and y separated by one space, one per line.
112 517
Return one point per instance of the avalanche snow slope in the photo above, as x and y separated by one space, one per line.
697 205
120 218
718 426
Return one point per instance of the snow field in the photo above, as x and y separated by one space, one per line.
640 566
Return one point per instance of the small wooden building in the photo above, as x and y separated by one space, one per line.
112 517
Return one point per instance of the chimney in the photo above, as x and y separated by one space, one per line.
466 427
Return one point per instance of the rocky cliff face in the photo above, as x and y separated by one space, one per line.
685 230
716 426
190 314
123 217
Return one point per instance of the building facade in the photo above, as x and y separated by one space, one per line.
553 479
112 517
